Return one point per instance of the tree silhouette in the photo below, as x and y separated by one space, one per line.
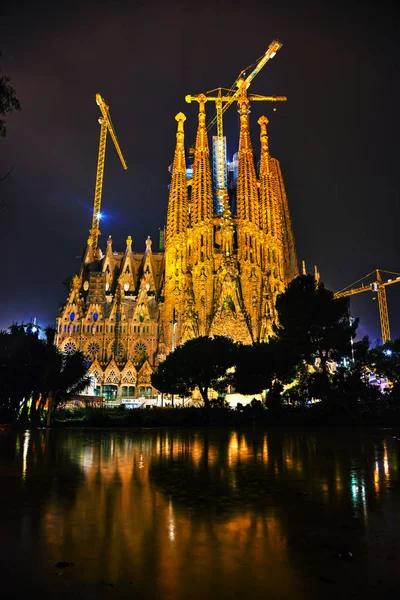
8 101
202 362
317 325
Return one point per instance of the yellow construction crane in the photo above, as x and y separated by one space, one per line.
379 287
224 100
222 103
105 125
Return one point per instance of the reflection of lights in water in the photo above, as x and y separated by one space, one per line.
338 479
237 448
233 447
325 488
358 493
265 449
354 489
141 462
25 452
196 452
376 477
171 522
87 459
385 461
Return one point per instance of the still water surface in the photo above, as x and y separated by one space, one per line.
190 514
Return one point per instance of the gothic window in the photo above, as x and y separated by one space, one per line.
140 353
128 391
72 316
95 316
69 348
127 270
147 269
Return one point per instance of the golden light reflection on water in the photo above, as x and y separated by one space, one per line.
173 511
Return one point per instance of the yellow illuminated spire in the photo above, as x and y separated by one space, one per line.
177 215
269 209
246 194
202 203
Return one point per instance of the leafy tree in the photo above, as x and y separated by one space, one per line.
32 371
260 364
315 323
384 360
8 101
202 362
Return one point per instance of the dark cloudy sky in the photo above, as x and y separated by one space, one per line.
336 137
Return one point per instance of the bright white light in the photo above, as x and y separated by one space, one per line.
34 329
99 216
273 54
388 352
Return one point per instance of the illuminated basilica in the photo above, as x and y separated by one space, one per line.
229 251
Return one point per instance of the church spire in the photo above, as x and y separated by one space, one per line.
202 202
269 208
246 194
177 215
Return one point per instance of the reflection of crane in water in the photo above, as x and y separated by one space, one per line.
377 285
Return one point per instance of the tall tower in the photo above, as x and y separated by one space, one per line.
176 244
248 223
201 235
223 270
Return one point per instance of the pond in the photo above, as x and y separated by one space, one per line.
190 514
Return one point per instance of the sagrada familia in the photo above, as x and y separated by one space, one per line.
228 254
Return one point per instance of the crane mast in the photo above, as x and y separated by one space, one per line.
105 126
222 103
379 287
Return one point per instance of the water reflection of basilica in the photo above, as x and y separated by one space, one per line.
168 511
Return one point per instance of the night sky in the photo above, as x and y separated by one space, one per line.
336 137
